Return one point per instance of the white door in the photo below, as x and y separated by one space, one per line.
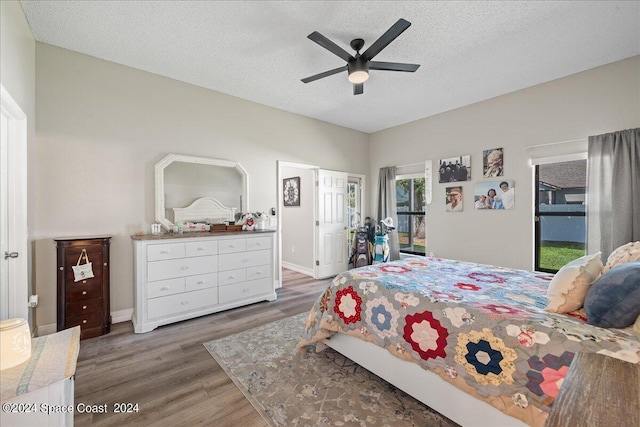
331 226
14 278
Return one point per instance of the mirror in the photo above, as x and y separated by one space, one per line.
181 180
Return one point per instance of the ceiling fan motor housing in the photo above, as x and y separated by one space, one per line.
359 66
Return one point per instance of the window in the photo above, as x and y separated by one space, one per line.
560 214
411 213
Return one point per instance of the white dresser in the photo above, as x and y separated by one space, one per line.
181 277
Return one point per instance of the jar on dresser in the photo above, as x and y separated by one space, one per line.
178 277
84 302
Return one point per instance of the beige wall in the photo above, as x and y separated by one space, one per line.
297 223
597 101
102 127
17 75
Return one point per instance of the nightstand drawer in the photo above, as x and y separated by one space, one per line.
89 320
80 291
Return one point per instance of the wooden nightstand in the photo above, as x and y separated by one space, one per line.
598 391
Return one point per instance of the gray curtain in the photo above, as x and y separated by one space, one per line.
613 170
387 207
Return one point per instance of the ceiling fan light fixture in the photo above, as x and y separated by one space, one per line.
358 71
358 77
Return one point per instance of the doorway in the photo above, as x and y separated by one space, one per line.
14 279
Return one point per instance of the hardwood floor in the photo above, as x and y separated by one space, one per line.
169 373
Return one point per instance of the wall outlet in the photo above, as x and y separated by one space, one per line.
33 301
293 249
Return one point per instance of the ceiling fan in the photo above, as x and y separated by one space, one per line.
359 65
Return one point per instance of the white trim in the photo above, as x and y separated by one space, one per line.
581 140
116 317
298 269
17 238
558 159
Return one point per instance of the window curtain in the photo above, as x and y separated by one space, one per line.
613 180
387 207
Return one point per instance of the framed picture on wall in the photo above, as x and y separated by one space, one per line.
492 163
291 191
454 169
494 195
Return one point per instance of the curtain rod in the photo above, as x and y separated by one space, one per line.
556 143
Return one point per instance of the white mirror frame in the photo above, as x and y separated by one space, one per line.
159 177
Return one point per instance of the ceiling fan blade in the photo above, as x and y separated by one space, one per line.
358 88
393 66
325 74
393 32
329 45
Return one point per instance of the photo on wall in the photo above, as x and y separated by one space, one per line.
494 195
454 199
492 162
455 169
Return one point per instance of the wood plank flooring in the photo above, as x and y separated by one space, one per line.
169 373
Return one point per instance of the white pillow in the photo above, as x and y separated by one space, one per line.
623 254
569 286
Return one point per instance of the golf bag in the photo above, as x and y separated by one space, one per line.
361 255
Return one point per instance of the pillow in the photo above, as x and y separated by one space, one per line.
569 286
613 301
625 253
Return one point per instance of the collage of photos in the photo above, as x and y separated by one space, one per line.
487 195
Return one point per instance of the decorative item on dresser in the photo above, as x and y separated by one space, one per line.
84 302
178 277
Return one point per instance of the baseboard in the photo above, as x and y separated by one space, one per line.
299 269
116 317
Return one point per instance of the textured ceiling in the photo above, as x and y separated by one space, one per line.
259 51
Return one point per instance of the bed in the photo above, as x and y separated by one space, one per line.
471 341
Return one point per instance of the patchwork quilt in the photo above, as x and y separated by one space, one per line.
482 328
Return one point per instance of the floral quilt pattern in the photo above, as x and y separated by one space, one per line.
481 327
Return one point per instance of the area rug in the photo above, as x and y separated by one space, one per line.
314 389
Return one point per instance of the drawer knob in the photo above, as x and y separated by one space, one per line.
232 277
105 264
84 281
164 288
201 282
232 246
245 260
258 244
61 268
184 303
84 307
84 292
184 267
84 321
200 249
164 252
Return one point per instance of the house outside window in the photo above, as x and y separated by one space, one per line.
411 213
561 206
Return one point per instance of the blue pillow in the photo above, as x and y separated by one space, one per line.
613 300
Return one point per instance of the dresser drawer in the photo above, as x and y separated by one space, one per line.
83 307
174 304
162 251
258 243
202 281
260 272
81 291
247 259
89 320
172 268
163 288
209 247
232 276
245 290
228 246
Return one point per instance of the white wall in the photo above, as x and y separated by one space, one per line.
17 75
297 223
593 102
101 128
